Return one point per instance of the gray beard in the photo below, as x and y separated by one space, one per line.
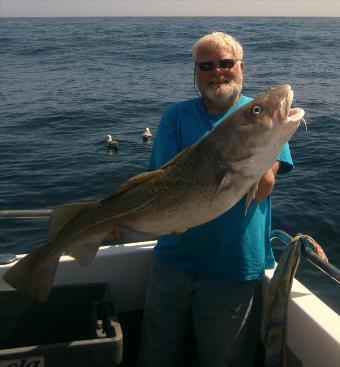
224 96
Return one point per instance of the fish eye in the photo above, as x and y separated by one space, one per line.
256 110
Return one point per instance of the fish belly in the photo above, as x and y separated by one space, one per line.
182 213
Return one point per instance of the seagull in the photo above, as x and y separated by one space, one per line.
111 143
147 134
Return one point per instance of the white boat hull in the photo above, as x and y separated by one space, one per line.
313 327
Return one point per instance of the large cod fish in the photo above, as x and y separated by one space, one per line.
196 186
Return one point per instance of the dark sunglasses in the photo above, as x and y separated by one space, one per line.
210 65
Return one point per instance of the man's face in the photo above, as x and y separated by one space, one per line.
219 85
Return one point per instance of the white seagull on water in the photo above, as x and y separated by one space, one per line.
147 134
111 143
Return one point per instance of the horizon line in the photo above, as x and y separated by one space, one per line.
173 16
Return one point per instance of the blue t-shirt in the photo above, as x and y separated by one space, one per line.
233 246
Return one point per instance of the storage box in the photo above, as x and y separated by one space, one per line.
77 326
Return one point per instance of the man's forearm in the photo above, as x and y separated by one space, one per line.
267 182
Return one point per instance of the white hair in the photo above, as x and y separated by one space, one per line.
218 40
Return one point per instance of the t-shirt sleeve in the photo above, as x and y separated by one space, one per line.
165 145
285 158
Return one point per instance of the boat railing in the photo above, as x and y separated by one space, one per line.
26 214
307 252
326 267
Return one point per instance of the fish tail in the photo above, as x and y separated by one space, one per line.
34 274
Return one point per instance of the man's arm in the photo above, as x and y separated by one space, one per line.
283 164
267 182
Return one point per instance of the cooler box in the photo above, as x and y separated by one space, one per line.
77 326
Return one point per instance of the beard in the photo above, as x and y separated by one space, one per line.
221 92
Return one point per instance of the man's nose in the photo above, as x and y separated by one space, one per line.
217 69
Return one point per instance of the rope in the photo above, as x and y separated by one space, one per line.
311 245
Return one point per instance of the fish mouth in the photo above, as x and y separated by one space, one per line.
295 114
290 115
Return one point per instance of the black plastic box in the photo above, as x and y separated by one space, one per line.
77 326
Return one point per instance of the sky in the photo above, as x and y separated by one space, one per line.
57 8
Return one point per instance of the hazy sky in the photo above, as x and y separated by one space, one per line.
31 8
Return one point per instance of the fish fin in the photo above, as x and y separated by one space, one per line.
62 214
84 254
131 183
34 274
177 156
180 232
251 195
124 234
131 235
225 182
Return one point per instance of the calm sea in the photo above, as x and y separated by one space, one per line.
67 82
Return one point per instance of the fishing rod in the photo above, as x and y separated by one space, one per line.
308 253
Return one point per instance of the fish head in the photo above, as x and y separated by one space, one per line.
272 116
257 131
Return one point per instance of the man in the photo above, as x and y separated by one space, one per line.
207 276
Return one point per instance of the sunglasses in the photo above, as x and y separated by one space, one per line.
224 64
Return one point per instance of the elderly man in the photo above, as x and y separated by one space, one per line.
208 276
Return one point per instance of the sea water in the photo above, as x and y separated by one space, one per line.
68 82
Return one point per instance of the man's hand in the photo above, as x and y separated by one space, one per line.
267 182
